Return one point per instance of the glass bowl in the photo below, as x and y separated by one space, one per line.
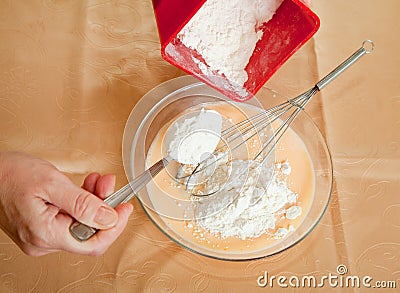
172 98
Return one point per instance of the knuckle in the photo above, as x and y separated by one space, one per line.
37 241
28 250
25 236
32 245
81 205
31 251
32 237
52 176
97 251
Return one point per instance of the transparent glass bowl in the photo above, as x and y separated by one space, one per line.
172 98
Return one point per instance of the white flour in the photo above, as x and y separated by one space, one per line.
225 34
247 206
195 136
251 201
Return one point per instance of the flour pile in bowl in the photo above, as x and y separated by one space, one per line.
246 197
252 202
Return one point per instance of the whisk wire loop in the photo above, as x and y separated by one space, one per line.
284 114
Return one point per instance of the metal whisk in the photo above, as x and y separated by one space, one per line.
247 129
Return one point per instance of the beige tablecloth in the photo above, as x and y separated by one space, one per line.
70 73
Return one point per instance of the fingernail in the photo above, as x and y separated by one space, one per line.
105 216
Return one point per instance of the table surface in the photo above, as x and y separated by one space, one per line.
70 73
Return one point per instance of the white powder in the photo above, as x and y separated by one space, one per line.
282 232
293 212
225 34
195 137
250 203
285 167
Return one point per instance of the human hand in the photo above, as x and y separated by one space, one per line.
38 204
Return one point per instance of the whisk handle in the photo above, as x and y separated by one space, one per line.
367 47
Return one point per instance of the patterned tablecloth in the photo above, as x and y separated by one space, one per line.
70 73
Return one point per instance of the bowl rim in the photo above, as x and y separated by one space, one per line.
128 167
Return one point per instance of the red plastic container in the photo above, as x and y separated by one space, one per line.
292 25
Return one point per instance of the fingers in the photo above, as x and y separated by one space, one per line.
90 181
83 205
99 243
32 250
104 238
42 204
105 186
102 186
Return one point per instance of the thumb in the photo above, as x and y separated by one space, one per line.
85 207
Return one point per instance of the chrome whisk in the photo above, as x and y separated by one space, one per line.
240 133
